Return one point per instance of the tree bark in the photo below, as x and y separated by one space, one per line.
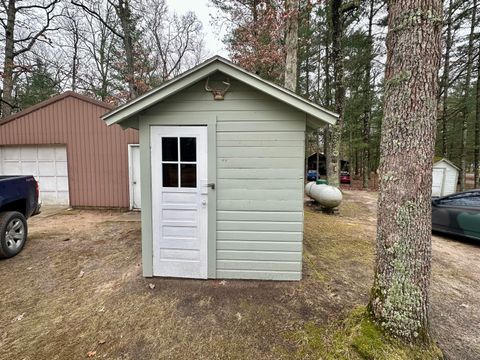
446 78
466 93
306 17
335 131
367 112
328 82
400 294
476 153
291 44
7 105
327 60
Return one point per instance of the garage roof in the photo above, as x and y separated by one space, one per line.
317 115
52 100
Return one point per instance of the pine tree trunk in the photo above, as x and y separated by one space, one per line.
8 66
446 78
326 61
335 131
466 93
367 112
291 44
328 82
476 154
400 294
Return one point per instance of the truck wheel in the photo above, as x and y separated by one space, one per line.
13 233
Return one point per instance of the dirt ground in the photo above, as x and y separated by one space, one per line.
76 291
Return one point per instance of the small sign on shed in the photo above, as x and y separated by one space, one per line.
445 178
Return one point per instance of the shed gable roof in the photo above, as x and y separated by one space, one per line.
447 162
52 100
203 70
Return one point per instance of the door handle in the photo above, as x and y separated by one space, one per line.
211 186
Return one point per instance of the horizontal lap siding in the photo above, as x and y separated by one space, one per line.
259 189
260 152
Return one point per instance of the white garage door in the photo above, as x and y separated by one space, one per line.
48 163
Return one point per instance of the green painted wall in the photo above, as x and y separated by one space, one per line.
256 158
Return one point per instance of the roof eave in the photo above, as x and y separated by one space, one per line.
168 89
54 99
280 93
448 162
317 115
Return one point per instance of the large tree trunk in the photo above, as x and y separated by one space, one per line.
335 131
476 154
326 62
466 93
291 44
328 82
400 294
446 78
8 64
367 112
305 17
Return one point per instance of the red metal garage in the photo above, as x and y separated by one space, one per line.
78 160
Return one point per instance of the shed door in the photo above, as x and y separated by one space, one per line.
437 181
47 163
179 200
134 169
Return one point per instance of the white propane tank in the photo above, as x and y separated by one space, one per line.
327 196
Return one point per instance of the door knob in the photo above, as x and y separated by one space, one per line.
204 202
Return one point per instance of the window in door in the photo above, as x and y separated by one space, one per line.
179 162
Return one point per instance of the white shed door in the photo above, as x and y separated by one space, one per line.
134 165
179 200
47 163
437 181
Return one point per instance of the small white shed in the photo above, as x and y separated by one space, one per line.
444 178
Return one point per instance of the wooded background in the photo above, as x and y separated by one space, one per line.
115 50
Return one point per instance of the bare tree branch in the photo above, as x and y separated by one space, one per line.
99 17
40 33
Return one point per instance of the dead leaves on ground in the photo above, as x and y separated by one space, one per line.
91 354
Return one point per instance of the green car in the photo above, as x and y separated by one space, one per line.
458 214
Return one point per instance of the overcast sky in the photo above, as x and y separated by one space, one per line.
213 39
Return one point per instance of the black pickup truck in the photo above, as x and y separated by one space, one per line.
18 201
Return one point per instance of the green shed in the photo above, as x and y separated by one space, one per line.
222 174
